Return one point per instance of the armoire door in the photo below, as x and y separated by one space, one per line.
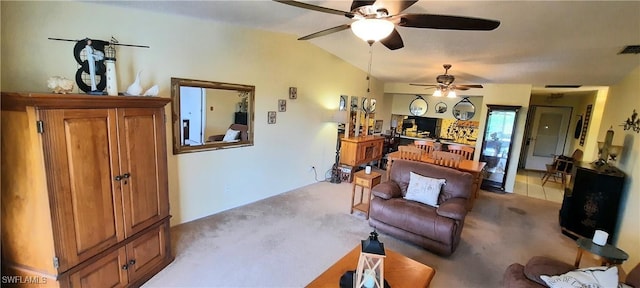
143 163
80 148
107 271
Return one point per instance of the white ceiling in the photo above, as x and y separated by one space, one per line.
537 42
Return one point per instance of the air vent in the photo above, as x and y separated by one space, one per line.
562 86
631 49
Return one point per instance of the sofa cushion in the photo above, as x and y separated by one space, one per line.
458 183
587 277
424 189
540 265
415 217
231 135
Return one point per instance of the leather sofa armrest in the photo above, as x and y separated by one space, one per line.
215 138
386 190
454 208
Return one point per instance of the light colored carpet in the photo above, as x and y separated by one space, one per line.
289 239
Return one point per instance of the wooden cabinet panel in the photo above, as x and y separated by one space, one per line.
148 251
79 148
106 272
142 157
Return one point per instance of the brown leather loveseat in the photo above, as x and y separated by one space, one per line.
436 229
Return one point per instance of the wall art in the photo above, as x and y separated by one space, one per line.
271 117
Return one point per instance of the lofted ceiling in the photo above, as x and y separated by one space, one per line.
538 42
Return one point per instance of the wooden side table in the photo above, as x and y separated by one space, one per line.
364 181
610 254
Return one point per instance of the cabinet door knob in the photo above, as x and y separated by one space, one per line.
126 175
132 261
125 267
118 178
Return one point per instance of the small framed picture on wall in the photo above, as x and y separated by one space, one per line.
282 105
271 117
293 93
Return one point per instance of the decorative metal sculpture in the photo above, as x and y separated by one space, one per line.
632 123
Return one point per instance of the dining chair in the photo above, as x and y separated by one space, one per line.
447 159
409 152
561 167
465 151
427 146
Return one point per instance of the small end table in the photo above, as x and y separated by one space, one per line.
363 180
610 254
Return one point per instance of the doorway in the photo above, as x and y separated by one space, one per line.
191 105
546 135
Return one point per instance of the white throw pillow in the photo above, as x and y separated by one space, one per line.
424 189
594 277
231 135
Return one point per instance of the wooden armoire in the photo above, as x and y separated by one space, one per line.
84 189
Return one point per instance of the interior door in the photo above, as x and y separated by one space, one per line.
81 155
191 107
143 167
547 136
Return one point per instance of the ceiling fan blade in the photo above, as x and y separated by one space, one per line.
315 8
358 3
424 85
471 86
393 41
394 6
447 22
326 32
462 88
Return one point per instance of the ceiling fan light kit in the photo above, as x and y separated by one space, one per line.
372 30
377 23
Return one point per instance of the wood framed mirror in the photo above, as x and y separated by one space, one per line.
464 110
209 115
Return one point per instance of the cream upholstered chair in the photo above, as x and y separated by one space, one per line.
465 151
448 159
409 152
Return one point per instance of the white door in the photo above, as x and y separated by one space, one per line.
548 135
191 107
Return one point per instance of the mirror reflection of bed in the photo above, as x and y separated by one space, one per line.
211 115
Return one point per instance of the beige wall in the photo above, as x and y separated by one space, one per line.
200 184
621 101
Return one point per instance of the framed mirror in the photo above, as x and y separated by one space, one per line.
464 110
418 106
368 105
210 115
441 107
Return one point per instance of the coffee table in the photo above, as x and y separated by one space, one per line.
399 271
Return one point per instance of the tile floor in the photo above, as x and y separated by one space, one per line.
529 183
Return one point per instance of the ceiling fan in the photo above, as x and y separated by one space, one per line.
377 21
445 84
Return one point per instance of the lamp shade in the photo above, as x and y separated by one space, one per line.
339 116
452 94
372 30
437 93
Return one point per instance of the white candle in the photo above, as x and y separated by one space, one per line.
600 237
367 170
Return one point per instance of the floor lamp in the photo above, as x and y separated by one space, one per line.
337 117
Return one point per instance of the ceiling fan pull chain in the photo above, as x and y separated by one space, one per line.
369 68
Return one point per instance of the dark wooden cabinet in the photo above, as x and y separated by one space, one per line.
88 203
592 200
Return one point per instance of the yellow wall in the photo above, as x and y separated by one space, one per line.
200 184
621 101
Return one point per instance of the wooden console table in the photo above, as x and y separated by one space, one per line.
356 151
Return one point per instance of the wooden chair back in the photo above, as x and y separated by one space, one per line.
447 159
427 146
409 152
465 151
